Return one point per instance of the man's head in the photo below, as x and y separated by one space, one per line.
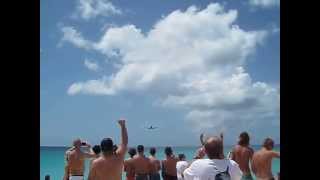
96 149
107 145
140 148
244 139
153 151
182 157
132 152
268 143
168 151
214 148
77 143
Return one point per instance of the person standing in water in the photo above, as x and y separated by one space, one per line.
262 160
242 154
155 165
75 160
110 164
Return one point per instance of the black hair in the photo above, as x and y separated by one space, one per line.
96 149
132 152
115 147
244 139
106 145
140 148
153 151
268 142
168 151
181 156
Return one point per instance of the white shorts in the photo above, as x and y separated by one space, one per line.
75 177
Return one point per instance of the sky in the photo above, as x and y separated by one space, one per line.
184 66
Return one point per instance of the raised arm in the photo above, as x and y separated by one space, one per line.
124 138
275 154
90 154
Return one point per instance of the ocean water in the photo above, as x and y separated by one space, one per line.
52 159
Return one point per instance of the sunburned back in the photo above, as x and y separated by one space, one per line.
109 168
76 163
155 165
261 163
170 166
242 156
141 165
128 167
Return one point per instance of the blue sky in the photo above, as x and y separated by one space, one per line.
184 66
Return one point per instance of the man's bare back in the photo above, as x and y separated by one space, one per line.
108 167
110 164
155 165
75 159
242 155
141 164
76 162
170 165
261 163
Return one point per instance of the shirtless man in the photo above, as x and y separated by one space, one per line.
155 165
262 160
109 165
75 160
141 164
169 170
242 154
128 167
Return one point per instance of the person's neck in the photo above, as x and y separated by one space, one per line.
107 154
244 145
266 149
216 157
141 154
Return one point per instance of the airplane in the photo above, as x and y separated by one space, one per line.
151 127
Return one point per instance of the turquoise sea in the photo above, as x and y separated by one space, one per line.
52 159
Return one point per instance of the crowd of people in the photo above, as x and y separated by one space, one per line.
107 161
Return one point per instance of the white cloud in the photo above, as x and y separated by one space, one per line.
88 9
264 3
93 66
70 34
191 59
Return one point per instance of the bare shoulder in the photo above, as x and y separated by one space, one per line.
97 161
250 150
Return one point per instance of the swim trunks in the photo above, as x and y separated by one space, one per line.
142 177
155 176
